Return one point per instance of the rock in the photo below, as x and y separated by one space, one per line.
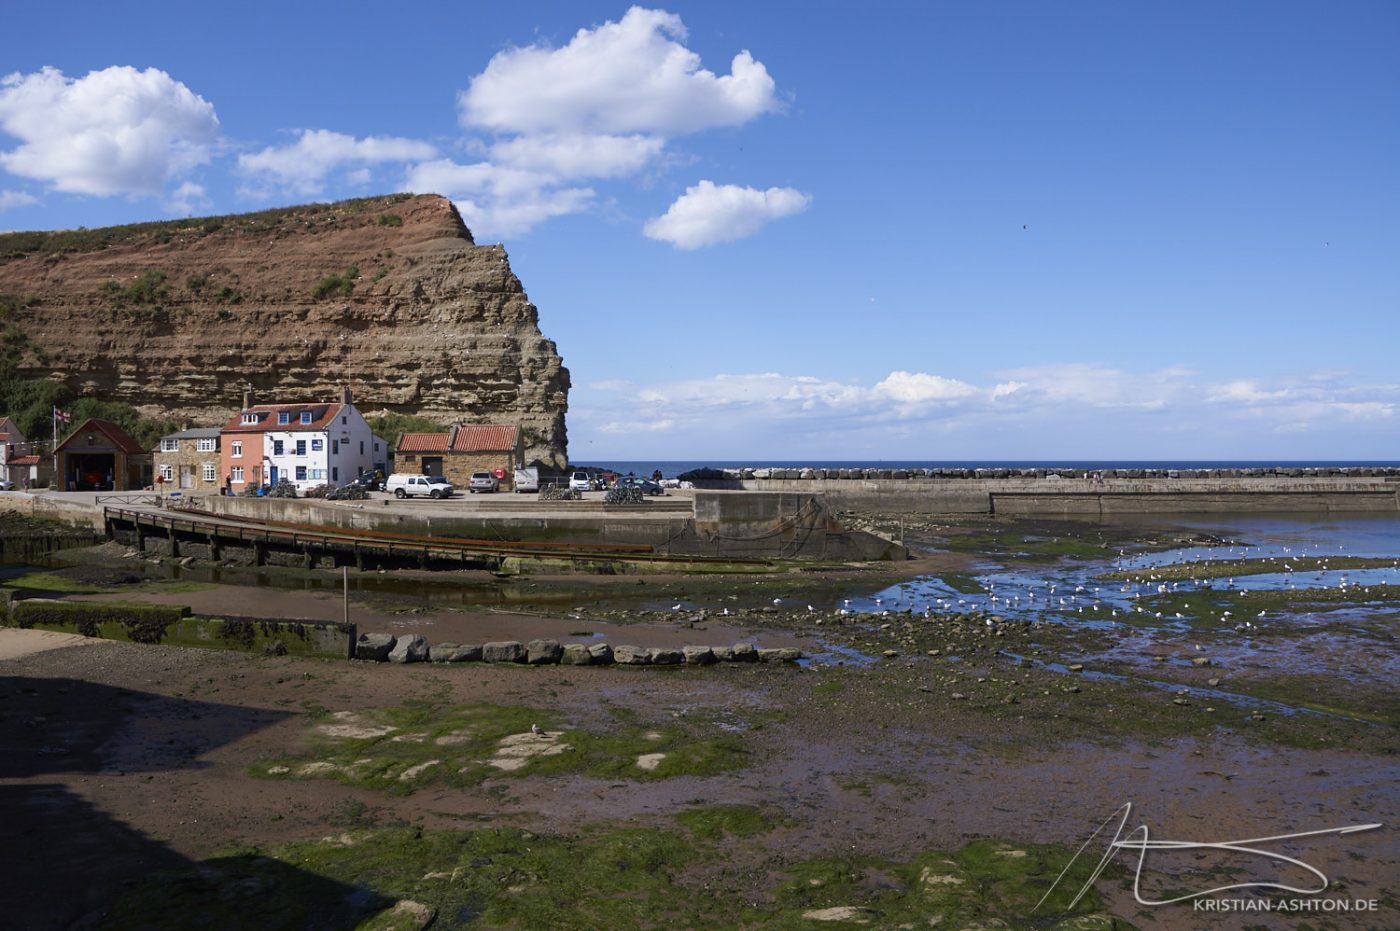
454 295
698 656
745 653
854 914
412 649
438 652
543 652
456 653
779 655
407 913
374 647
503 651
722 654
628 655
1212 682
576 654
601 653
1200 661
666 656
1076 667
890 654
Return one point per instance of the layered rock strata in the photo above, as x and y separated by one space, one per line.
388 294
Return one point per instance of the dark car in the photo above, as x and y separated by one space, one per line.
647 486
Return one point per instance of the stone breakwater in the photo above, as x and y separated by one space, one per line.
747 474
413 648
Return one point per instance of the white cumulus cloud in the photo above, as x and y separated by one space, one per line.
303 166
710 213
496 200
187 199
624 77
12 199
115 131
603 106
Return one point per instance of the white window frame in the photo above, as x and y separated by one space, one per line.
170 446
306 417
209 472
236 449
167 472
237 474
284 417
208 445
250 418
317 444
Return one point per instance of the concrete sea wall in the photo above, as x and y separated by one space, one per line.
1074 493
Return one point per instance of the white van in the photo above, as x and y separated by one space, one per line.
405 485
526 480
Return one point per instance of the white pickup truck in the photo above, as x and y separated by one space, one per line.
406 485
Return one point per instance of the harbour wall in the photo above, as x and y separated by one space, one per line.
1091 497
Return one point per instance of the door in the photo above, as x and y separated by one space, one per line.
186 476
272 475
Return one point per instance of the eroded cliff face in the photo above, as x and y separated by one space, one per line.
389 294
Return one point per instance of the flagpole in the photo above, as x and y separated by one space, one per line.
56 477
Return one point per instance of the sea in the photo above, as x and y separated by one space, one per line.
670 468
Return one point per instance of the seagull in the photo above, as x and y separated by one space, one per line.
675 607
536 730
777 601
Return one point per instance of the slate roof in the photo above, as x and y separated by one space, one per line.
322 415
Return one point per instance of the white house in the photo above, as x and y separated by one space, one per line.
307 444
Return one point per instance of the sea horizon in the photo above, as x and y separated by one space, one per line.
670 468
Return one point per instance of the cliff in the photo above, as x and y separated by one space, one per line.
390 294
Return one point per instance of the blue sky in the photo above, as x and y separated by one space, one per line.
811 230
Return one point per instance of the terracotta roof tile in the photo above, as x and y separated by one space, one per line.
423 443
321 416
474 437
119 437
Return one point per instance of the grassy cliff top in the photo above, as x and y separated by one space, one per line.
15 245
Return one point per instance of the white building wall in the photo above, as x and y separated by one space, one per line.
346 450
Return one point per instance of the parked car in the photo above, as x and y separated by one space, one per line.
483 482
404 485
6 485
581 481
647 486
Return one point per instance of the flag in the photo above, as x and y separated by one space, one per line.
62 415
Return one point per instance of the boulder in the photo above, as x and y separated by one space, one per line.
779 655
374 647
745 653
575 654
412 649
503 651
600 653
698 656
543 652
666 656
722 654
456 653
628 655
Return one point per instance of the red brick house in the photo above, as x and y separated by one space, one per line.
101 456
457 453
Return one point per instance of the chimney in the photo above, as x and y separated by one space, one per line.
452 437
345 395
247 397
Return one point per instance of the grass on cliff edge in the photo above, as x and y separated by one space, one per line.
613 877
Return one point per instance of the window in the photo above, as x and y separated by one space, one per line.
170 446
318 474
209 471
306 417
344 421
238 474
301 473
236 450
376 446
335 446
284 416
208 445
250 418
276 447
167 473
301 447
318 445
362 447
335 474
